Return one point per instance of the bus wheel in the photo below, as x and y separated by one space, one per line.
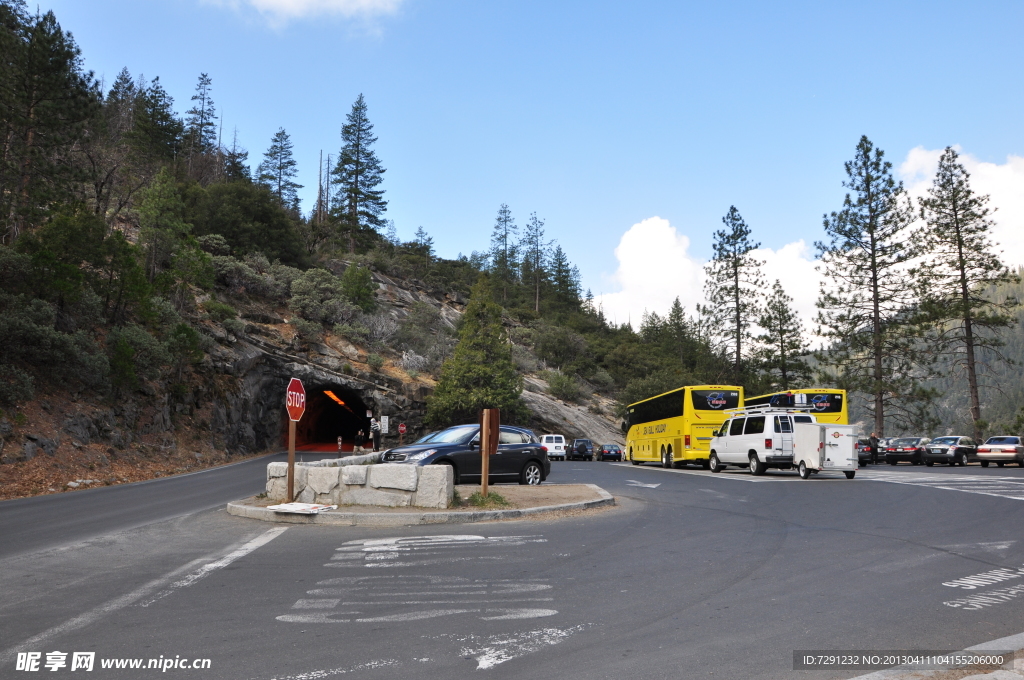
713 463
631 460
666 458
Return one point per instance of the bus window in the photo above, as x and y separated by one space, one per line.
714 400
737 427
782 424
755 425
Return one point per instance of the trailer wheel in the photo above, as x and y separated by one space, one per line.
804 472
850 473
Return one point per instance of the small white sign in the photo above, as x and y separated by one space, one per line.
384 424
301 508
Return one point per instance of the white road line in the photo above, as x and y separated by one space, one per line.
316 604
633 482
93 615
207 569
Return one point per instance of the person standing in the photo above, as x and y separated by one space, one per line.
375 433
360 440
873 443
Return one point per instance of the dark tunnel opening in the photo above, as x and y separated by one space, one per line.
332 411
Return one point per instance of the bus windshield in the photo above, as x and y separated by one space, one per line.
714 400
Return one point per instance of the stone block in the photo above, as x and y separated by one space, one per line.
306 496
435 488
363 496
354 474
394 476
277 470
277 488
322 479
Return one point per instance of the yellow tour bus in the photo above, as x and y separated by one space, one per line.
675 428
827 405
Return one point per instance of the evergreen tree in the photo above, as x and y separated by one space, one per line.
782 343
866 306
278 171
46 102
480 373
504 250
565 281
733 287
236 165
425 245
157 130
359 204
957 276
162 224
535 251
201 122
358 286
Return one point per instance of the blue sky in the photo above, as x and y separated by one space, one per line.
597 115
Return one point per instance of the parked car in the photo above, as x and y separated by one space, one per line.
574 450
863 448
520 457
954 450
555 444
1001 450
609 452
910 449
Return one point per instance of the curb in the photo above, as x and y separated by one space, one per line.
395 519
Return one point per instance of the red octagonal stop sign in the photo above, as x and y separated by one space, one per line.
295 399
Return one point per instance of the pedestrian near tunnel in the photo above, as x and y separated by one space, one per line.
359 441
375 433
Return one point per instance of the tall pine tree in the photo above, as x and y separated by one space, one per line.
359 204
782 342
733 288
535 249
866 307
504 250
201 122
278 172
958 274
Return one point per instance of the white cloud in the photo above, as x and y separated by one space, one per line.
282 11
1004 183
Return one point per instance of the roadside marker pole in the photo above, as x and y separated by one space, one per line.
295 404
490 425
291 460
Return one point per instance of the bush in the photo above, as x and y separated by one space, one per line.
564 387
524 358
214 244
148 355
234 326
353 331
219 311
16 386
375 361
239 278
317 296
358 286
307 331
413 362
382 327
347 369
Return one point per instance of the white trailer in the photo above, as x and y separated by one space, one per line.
823 447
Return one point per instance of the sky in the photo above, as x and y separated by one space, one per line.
629 128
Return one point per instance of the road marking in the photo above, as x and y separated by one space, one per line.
737 475
633 482
1001 487
497 649
207 569
315 604
985 578
93 615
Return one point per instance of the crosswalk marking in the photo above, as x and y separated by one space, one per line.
1002 487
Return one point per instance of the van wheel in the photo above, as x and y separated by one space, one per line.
929 463
705 464
756 466
714 464
850 473
804 472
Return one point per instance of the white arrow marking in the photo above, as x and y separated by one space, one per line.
633 482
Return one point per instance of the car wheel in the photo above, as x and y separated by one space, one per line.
929 463
756 466
1000 463
892 462
984 463
714 464
850 473
531 474
963 460
803 471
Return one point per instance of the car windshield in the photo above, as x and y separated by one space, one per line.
455 435
911 441
425 438
945 441
1012 441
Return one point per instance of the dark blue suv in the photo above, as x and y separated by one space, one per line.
573 453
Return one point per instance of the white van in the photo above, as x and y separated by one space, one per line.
756 438
555 444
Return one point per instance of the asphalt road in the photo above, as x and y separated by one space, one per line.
693 575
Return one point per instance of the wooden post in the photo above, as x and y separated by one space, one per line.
485 454
291 461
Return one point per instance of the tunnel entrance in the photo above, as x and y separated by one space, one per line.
332 411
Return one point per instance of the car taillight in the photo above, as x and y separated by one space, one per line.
544 449
687 440
983 449
767 444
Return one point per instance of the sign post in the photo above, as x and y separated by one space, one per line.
295 403
401 433
490 425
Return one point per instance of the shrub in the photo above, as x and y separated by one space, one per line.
524 358
307 331
352 331
382 327
234 326
219 311
16 386
375 361
564 387
317 296
358 286
347 369
492 500
148 355
239 277
214 244
413 362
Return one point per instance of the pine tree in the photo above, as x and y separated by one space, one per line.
236 166
782 343
960 269
866 305
425 245
162 224
480 373
565 280
535 250
733 287
201 122
359 204
157 131
504 250
278 171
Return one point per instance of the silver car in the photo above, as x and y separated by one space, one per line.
1001 450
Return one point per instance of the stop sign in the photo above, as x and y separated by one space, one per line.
295 399
401 428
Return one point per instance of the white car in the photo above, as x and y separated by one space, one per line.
755 440
555 444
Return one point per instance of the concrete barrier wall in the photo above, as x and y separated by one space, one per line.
351 481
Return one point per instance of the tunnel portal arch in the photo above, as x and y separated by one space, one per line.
332 410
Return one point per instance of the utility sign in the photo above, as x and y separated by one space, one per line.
295 399
384 425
